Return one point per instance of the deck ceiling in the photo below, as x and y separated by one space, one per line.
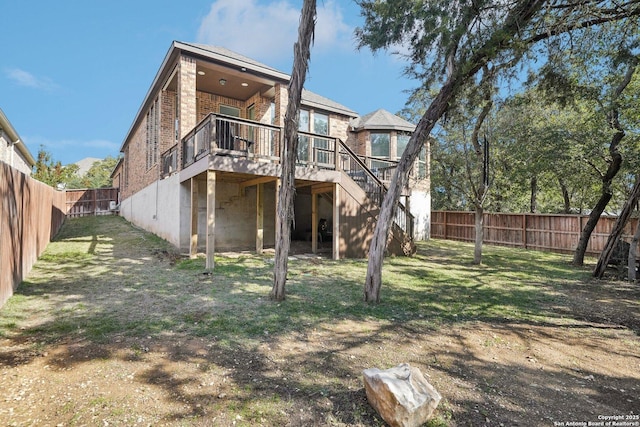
302 186
234 78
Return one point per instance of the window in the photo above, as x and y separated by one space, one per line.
380 148
229 111
273 135
403 140
273 113
226 130
321 145
422 163
251 115
320 124
153 125
303 141
126 167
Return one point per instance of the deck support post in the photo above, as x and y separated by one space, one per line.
193 248
314 222
211 218
336 222
259 218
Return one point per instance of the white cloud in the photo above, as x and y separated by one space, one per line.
64 144
25 78
266 32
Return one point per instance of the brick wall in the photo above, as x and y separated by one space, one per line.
339 127
137 175
167 120
210 103
281 97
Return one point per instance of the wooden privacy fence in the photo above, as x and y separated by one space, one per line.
93 201
31 213
555 233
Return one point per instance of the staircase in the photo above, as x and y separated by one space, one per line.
401 236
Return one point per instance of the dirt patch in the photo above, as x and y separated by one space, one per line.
132 334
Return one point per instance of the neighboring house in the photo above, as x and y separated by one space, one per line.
85 164
13 151
200 163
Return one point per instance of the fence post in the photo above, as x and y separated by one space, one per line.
524 230
445 225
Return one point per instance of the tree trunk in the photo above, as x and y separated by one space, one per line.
618 227
565 196
480 193
633 248
585 234
533 206
477 250
459 74
438 106
612 170
605 197
284 219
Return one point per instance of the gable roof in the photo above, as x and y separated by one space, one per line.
382 120
312 99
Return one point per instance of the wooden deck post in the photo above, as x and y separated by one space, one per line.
259 218
211 218
336 153
193 248
336 221
314 222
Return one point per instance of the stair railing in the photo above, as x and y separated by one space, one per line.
375 189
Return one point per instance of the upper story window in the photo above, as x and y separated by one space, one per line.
380 145
229 111
380 148
153 133
313 149
403 140
303 121
272 109
320 123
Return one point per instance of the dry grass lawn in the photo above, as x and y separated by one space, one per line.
113 328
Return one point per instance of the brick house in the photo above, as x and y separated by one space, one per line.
200 163
12 150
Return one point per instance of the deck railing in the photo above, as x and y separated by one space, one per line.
233 136
225 135
381 167
169 162
316 150
218 134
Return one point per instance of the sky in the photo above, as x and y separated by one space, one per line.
73 73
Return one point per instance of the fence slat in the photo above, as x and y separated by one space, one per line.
31 213
92 201
555 233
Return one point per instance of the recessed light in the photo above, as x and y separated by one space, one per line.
201 73
244 84
243 69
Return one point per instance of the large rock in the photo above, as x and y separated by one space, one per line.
401 395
